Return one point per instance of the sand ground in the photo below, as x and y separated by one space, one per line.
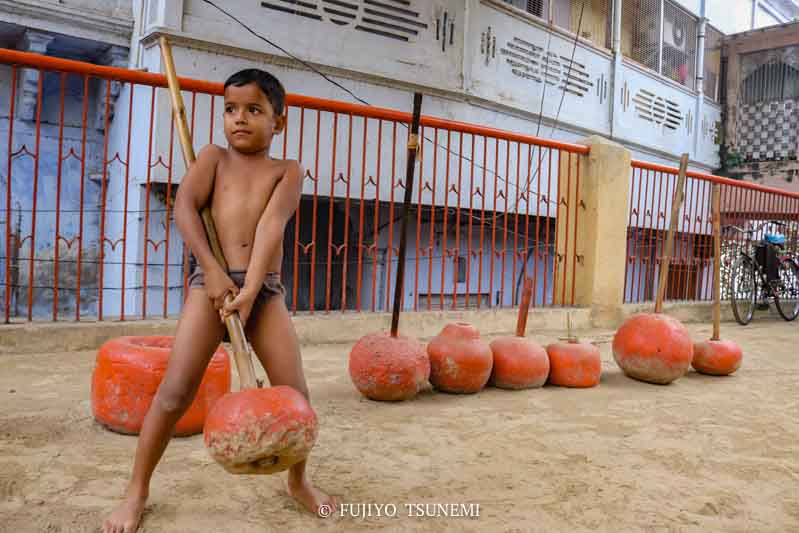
701 454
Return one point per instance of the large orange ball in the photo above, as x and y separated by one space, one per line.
655 348
126 376
574 364
519 363
460 362
261 431
717 358
389 368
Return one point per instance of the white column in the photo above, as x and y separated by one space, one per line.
616 13
615 75
700 83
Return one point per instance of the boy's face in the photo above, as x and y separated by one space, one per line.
250 121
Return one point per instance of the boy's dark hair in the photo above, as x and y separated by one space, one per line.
269 85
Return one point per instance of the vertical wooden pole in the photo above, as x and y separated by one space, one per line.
413 146
716 261
524 307
665 260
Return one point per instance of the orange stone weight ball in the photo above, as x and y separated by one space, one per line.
126 377
519 363
261 431
460 361
574 364
717 357
389 368
653 347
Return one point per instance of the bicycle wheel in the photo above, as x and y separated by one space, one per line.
744 289
786 293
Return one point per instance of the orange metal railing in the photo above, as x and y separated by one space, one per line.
743 204
79 242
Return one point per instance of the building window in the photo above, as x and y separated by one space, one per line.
768 98
534 7
679 45
590 18
768 78
640 35
661 36
462 269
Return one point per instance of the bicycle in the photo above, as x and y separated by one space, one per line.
749 276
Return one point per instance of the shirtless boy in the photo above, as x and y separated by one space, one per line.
252 198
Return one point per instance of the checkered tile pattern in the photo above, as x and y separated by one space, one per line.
767 131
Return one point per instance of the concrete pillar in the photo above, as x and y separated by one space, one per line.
591 254
35 42
569 254
165 14
115 56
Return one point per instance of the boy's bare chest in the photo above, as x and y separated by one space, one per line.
245 186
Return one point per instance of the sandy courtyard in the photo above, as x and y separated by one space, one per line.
702 454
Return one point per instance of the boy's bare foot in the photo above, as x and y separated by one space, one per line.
312 498
126 517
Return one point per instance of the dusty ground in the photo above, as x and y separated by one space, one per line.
702 454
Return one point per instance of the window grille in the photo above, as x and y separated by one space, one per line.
661 36
770 76
597 20
534 7
679 45
640 32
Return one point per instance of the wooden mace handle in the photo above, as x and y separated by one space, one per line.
524 307
241 350
413 146
665 259
716 261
